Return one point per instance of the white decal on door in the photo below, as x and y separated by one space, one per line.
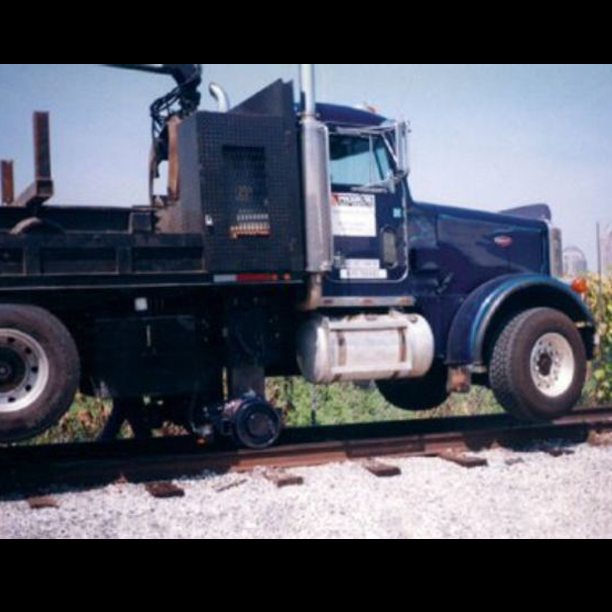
363 269
354 215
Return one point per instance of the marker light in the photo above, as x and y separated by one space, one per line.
580 285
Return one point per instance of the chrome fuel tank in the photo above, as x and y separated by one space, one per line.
365 347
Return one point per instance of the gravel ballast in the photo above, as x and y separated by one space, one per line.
519 495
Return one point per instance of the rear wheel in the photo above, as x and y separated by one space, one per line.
417 394
39 371
539 365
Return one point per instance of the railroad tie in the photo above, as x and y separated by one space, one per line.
164 490
283 479
381 470
559 451
463 459
42 502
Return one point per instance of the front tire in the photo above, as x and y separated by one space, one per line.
39 371
539 365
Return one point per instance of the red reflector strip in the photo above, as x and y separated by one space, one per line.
256 278
247 277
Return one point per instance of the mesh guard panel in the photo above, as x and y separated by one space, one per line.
247 198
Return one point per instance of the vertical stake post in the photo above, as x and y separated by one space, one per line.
8 183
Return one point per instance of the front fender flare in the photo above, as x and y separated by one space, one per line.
509 294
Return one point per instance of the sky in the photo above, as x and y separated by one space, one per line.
489 136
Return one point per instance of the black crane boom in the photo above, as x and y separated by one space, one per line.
182 73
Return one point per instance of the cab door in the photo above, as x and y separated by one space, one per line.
369 212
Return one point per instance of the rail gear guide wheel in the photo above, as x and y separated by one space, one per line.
39 371
250 421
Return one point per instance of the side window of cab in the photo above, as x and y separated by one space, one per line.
358 160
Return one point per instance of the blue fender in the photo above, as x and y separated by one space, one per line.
512 293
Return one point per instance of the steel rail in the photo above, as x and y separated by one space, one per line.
32 468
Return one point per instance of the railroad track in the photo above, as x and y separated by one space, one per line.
25 469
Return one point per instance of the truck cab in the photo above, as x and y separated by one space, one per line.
369 208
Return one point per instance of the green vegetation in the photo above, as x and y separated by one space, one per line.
349 403
83 422
599 388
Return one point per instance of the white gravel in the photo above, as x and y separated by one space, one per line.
536 497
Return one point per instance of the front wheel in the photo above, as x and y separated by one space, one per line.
539 365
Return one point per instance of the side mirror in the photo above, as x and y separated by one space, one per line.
402 135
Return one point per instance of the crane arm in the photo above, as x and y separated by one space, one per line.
181 102
182 73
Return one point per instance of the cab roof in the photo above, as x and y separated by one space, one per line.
347 115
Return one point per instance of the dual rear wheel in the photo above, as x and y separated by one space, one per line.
39 371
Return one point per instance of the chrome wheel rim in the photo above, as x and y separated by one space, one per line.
24 371
553 365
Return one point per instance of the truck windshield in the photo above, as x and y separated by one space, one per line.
359 160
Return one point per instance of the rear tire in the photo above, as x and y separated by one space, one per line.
39 371
539 365
418 394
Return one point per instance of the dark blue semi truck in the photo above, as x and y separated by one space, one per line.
287 244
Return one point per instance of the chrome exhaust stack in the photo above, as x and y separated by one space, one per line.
308 90
220 96
316 183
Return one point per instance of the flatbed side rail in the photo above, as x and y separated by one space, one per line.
34 262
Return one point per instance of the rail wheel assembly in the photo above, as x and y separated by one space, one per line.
249 421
